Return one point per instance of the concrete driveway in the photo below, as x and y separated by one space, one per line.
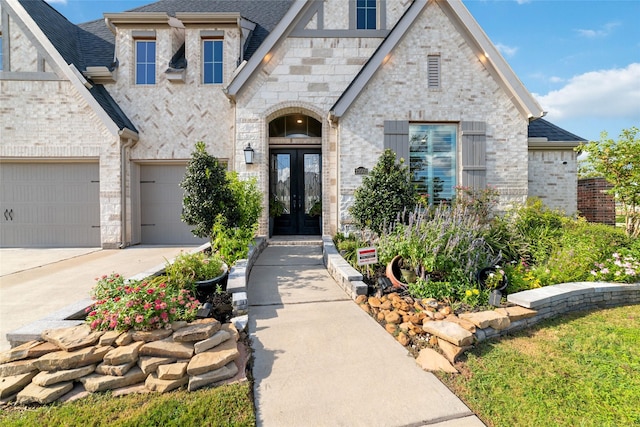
37 282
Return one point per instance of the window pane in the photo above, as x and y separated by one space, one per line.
151 74
140 75
151 51
361 21
208 74
217 51
371 19
217 73
432 160
208 51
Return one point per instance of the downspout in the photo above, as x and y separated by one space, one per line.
125 144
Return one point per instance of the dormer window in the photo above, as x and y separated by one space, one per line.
212 59
145 58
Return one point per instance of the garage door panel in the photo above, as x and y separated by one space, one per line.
161 206
52 204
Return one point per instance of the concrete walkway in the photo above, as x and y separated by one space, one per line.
37 282
319 360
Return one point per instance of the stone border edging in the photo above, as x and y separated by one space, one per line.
70 315
342 272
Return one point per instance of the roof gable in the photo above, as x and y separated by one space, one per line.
63 40
478 40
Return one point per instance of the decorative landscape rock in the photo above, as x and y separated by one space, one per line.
153 383
516 313
95 382
71 339
167 348
197 332
45 379
198 381
172 371
213 359
109 338
18 367
18 353
34 393
12 384
123 355
450 351
487 319
150 336
150 364
431 360
217 338
137 366
449 331
115 370
61 360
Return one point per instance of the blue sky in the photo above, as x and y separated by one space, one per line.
580 58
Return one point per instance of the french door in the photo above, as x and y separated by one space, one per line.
296 186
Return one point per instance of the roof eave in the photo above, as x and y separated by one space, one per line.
380 56
264 53
526 103
540 144
69 70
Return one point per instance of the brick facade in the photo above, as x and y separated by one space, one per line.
553 178
593 201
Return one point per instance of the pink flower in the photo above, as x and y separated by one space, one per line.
139 318
113 324
150 291
172 310
164 316
147 306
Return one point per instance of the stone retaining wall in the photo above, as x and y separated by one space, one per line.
69 363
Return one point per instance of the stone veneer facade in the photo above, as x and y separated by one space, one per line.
304 73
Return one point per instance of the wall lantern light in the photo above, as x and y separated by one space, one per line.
248 154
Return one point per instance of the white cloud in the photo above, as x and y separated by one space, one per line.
506 50
556 79
604 31
613 93
523 1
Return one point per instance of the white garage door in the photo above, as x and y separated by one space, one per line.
49 205
161 206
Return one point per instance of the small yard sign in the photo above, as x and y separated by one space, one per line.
367 256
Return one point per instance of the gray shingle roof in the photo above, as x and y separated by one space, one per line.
264 13
541 128
92 43
78 47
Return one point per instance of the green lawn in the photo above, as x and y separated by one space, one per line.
223 406
581 369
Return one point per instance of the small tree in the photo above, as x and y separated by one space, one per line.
384 193
619 163
206 193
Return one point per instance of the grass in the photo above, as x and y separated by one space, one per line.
229 405
582 369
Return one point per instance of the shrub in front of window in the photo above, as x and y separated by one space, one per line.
384 194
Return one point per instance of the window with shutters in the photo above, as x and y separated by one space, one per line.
433 71
432 160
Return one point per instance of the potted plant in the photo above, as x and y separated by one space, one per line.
493 278
276 208
199 272
316 211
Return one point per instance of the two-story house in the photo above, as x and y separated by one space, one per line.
98 120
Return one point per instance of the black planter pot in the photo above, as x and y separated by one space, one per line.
206 288
484 274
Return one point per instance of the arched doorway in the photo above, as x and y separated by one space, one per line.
295 175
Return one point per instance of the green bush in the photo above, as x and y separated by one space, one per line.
384 194
207 193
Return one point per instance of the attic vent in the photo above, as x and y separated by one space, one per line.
433 71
